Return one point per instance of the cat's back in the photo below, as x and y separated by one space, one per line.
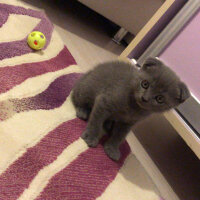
117 68
110 74
111 78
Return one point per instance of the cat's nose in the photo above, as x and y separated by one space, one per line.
145 99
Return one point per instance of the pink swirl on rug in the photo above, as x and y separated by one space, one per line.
53 97
18 48
19 175
85 178
3 17
12 76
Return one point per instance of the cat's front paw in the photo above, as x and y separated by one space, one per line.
90 139
112 152
82 113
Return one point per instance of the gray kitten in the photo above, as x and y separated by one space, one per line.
115 95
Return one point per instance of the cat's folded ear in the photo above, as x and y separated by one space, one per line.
151 63
183 92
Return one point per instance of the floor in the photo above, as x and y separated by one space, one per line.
90 44
82 31
175 160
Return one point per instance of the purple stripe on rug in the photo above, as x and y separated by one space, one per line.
12 76
19 175
3 17
18 48
85 178
53 97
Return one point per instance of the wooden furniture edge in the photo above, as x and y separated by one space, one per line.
184 131
153 171
172 116
159 13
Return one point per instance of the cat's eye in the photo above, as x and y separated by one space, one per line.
160 99
145 84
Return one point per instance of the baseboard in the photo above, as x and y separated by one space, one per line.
159 180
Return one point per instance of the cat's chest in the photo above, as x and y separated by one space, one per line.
130 116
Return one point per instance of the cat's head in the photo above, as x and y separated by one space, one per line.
159 88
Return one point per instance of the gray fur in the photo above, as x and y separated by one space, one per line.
114 96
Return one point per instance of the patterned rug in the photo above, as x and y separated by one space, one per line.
41 153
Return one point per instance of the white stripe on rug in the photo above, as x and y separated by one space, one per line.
53 49
26 129
40 84
6 31
64 159
131 182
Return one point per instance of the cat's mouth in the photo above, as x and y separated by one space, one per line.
142 104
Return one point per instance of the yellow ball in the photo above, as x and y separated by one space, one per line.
36 40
